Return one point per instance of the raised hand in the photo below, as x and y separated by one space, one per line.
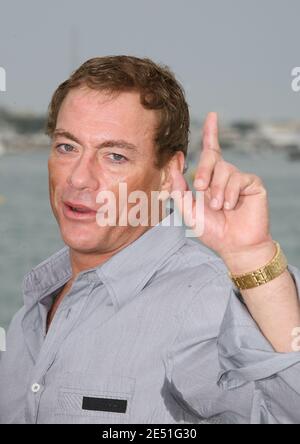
236 215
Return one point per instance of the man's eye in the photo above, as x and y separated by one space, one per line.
64 148
117 158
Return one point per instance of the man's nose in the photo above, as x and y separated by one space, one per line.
84 174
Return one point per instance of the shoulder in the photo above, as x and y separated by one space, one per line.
195 264
197 282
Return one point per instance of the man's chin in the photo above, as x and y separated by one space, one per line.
83 247
82 242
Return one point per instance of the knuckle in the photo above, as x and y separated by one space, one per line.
220 163
229 166
256 180
253 177
221 168
259 180
236 176
217 190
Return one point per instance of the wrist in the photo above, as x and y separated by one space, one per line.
250 258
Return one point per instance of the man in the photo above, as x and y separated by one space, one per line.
133 323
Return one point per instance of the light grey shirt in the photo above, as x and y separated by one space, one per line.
156 334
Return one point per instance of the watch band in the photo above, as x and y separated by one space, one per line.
264 274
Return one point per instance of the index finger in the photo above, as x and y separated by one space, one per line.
210 139
211 152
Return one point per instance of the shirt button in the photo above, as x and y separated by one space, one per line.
35 387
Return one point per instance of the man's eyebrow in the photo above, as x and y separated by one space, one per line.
67 134
119 143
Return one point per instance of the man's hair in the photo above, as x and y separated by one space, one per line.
159 90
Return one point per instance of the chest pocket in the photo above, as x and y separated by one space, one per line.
92 399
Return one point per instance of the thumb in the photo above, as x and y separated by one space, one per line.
183 198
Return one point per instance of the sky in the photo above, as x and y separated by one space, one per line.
232 56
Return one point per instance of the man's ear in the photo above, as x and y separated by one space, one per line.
175 164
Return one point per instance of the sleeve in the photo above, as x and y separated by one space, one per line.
192 364
246 357
221 368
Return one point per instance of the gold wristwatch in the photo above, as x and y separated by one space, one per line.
264 274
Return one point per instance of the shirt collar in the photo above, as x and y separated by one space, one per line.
124 274
127 272
48 276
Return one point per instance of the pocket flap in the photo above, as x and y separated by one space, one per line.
91 395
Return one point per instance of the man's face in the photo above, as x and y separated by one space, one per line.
99 142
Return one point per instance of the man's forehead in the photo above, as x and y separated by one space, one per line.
86 98
96 110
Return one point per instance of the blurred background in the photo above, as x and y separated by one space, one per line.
232 56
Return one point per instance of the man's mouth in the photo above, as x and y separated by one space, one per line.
80 210
77 211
